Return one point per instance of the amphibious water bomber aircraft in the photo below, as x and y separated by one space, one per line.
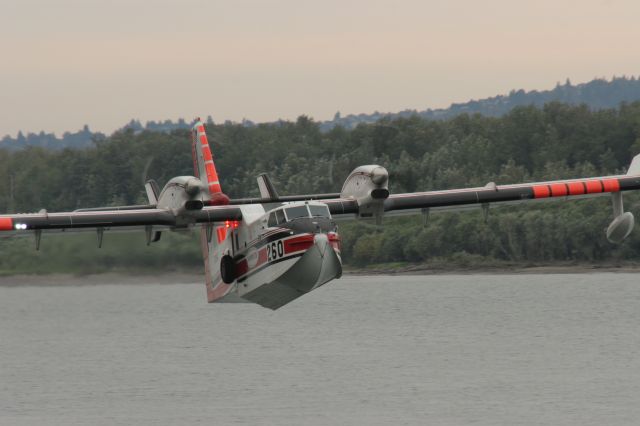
273 249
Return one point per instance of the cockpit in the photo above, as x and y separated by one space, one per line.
290 212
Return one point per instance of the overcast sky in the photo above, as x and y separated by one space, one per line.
72 62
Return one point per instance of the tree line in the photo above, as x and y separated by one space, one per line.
597 94
555 141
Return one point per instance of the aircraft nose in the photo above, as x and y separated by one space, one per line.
322 242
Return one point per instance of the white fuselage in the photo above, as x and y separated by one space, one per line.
277 258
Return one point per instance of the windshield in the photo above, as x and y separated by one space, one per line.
322 211
296 212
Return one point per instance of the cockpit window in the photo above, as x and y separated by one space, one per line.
280 216
322 211
272 220
296 212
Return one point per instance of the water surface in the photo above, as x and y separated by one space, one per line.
438 350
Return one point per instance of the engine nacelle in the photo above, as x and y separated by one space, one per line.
620 228
183 193
369 186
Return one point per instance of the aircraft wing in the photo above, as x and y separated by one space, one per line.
487 196
459 199
116 219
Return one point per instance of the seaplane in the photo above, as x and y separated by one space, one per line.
272 249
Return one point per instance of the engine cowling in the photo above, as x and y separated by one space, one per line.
369 186
183 193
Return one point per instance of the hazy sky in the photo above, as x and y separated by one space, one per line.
72 62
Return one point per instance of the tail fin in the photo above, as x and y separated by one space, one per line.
204 167
213 247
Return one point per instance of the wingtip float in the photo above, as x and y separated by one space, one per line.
273 249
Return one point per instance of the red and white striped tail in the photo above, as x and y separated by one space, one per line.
205 170
204 167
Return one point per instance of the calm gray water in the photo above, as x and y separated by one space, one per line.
438 350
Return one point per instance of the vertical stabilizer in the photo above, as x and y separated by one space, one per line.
215 245
204 166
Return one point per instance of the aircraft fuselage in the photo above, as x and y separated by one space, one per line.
273 256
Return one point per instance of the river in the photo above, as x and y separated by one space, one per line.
550 349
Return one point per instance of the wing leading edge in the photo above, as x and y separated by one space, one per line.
366 194
17 224
459 199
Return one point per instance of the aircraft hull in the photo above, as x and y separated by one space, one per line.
283 281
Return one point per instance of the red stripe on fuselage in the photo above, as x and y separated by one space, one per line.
302 242
222 233
220 289
262 256
335 241
242 267
291 246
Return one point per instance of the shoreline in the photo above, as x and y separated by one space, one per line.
496 269
124 277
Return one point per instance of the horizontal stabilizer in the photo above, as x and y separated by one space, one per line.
267 190
151 187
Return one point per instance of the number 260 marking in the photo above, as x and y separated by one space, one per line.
275 250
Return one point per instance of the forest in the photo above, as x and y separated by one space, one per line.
529 143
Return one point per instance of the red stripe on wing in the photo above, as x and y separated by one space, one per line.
541 191
593 186
6 224
576 188
558 189
611 185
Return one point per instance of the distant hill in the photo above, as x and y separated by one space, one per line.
80 139
597 94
